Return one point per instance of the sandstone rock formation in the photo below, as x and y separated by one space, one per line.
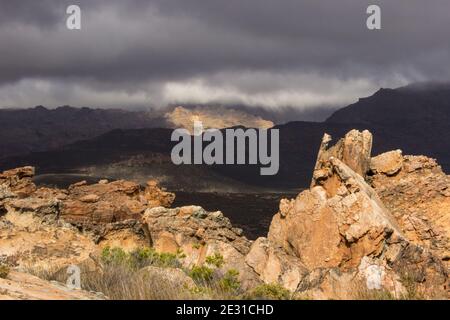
40 227
340 231
17 182
199 234
417 193
27 241
274 265
109 202
52 228
354 150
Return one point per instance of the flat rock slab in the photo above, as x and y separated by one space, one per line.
22 286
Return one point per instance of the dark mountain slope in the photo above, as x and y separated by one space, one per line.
414 104
414 119
38 129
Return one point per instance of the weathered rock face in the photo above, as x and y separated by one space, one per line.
18 181
171 228
102 203
340 229
354 150
39 229
109 202
87 206
274 265
156 196
417 193
199 234
388 163
29 241
340 219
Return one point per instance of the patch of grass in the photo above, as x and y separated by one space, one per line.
215 282
269 292
410 292
4 271
119 282
202 275
410 285
117 276
141 257
361 292
230 281
375 294
215 260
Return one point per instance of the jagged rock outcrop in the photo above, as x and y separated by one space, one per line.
109 202
18 182
40 227
87 206
340 219
171 228
340 232
353 150
53 228
417 193
156 196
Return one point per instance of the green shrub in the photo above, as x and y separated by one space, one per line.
269 292
141 257
230 281
4 271
205 274
114 256
215 260
201 274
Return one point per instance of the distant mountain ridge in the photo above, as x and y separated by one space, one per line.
217 118
409 104
414 118
40 129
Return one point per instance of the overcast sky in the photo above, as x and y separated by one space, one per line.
271 53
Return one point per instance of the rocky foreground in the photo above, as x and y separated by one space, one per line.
368 227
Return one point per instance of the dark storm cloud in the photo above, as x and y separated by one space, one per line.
257 52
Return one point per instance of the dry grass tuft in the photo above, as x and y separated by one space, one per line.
124 276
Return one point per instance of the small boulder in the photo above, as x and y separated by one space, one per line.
388 163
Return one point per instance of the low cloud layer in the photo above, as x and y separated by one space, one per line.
265 53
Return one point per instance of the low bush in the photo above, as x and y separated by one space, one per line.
230 282
141 257
202 275
269 292
4 271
